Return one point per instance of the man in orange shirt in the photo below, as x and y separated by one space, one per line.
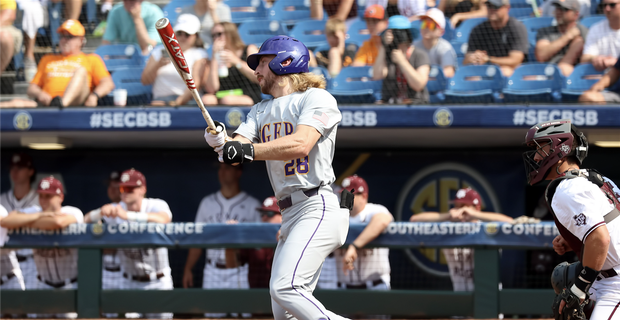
70 78
376 23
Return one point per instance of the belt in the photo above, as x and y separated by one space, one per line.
57 285
145 278
360 286
607 273
113 269
7 277
288 202
217 264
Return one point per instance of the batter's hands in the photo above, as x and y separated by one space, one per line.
188 279
561 246
349 258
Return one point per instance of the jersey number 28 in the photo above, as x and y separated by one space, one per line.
299 165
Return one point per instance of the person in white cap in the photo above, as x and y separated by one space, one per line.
439 50
168 87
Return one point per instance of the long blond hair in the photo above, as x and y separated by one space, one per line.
304 81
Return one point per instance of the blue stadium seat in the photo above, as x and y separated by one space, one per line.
256 32
461 33
588 22
475 84
289 11
173 8
532 25
358 32
246 10
347 44
459 47
120 56
310 32
130 80
449 32
324 72
355 85
436 84
582 78
361 8
534 82
521 12
55 18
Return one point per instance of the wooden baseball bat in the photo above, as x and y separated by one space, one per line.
170 42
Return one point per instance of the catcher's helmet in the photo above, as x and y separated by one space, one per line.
284 47
564 275
559 136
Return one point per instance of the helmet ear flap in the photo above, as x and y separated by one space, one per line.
581 151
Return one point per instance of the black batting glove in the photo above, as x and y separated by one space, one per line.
237 152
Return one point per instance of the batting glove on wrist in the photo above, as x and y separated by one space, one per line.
216 138
237 152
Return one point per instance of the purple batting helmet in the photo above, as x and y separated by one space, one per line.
559 136
283 47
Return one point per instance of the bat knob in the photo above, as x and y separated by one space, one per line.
162 23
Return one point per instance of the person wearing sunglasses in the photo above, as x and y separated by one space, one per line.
439 50
562 44
141 268
501 40
70 78
168 87
209 12
376 24
238 86
133 21
602 46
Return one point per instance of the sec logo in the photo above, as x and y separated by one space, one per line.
234 117
97 229
443 117
432 189
22 121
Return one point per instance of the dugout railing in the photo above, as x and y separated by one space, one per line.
488 299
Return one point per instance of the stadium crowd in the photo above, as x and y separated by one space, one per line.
404 52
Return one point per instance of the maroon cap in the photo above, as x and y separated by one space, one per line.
356 183
132 178
50 185
270 204
21 160
468 196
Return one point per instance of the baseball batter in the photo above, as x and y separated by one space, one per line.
22 195
56 268
360 268
141 268
10 274
228 205
586 212
295 133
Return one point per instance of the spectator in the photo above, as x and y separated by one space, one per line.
168 87
56 268
11 274
70 78
22 195
228 80
562 44
259 260
209 12
228 205
10 37
360 268
111 272
339 54
403 68
439 51
602 46
411 9
460 10
501 40
133 21
596 93
73 8
376 24
548 8
467 208
33 18
345 10
142 268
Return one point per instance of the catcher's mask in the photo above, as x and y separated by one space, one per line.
564 275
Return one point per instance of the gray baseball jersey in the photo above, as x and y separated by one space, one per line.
274 118
215 208
57 264
144 261
372 263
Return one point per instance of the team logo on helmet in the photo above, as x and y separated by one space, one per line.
125 177
580 219
268 202
432 189
45 184
565 149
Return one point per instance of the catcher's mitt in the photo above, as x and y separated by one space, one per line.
573 309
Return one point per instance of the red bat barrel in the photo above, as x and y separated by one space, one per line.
170 42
